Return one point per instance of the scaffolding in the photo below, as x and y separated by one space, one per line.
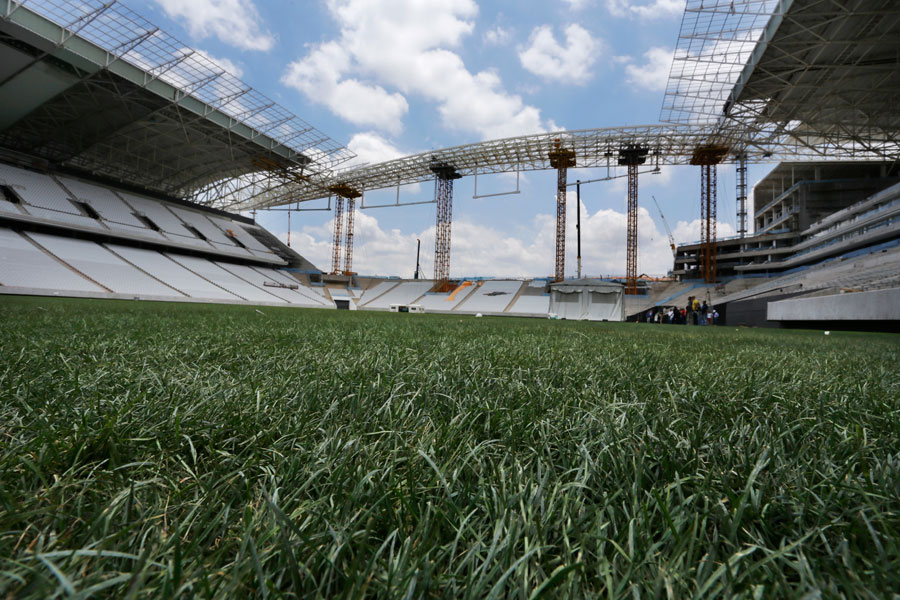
338 237
632 156
708 223
741 195
561 159
348 237
444 175
707 157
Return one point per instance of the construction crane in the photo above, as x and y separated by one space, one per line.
666 225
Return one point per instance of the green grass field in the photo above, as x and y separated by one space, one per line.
163 450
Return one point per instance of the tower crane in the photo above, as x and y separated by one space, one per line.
668 231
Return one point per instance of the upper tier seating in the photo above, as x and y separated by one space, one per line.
78 204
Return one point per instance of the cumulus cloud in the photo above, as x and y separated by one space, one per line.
481 250
408 45
686 232
230 67
577 4
654 72
497 36
319 77
657 9
549 59
371 148
233 22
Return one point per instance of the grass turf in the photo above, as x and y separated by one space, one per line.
210 451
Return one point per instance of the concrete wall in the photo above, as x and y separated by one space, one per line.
752 312
878 305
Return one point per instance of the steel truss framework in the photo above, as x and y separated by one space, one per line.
140 107
824 72
337 240
631 237
561 159
348 237
708 222
741 195
443 196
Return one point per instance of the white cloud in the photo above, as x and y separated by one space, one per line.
406 45
686 232
482 250
371 148
233 22
497 36
654 73
657 9
318 76
547 58
229 66
577 4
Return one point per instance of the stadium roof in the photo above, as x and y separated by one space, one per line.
593 148
772 80
93 86
825 72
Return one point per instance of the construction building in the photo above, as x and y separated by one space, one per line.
788 205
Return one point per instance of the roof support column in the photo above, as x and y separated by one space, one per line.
348 237
336 240
561 159
707 157
708 222
443 198
632 156
343 236
741 172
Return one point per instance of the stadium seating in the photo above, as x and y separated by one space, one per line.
491 297
103 266
376 291
259 278
224 279
404 293
531 305
173 274
445 302
213 234
24 265
115 212
163 218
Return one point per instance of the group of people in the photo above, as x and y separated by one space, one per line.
695 313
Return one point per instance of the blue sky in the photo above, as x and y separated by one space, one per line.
394 77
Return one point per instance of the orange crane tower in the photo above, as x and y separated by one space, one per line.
632 156
561 159
707 157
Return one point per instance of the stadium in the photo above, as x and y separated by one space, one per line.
193 408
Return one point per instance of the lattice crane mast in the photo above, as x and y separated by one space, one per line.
561 159
707 157
632 156
666 225
343 234
444 175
